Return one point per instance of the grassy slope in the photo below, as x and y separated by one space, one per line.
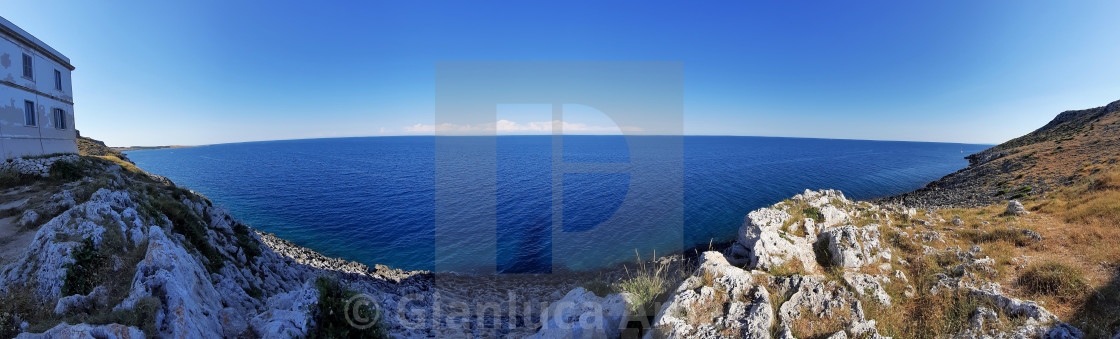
94 147
1075 145
1067 174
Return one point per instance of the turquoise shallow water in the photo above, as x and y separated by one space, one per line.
374 200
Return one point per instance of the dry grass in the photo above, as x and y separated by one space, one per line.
1054 279
1072 271
649 284
128 166
810 325
788 268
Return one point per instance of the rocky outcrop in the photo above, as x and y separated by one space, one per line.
286 314
718 301
848 239
764 243
853 247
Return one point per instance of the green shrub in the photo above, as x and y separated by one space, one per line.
814 213
11 178
65 171
1054 279
246 242
81 273
329 317
185 222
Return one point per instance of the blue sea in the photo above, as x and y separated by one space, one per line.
489 204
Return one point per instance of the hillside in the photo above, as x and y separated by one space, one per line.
1074 145
94 147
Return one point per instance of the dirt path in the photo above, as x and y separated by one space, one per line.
13 238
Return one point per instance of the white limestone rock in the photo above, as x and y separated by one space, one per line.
1014 207
82 303
29 218
582 314
853 247
718 300
190 303
762 244
866 285
286 314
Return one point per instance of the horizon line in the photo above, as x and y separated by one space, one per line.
548 135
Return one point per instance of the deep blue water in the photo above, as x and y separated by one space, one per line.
375 200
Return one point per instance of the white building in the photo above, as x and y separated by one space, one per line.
36 99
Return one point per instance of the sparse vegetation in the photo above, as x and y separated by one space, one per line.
185 222
329 316
788 268
649 283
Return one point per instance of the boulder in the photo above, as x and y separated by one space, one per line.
582 314
29 218
1014 207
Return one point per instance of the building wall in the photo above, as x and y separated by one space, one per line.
16 138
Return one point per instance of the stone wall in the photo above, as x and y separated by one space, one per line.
35 166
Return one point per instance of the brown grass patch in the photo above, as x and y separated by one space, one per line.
1054 279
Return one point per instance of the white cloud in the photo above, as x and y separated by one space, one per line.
513 127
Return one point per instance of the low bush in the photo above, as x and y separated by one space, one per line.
81 273
1054 279
329 316
246 242
813 212
11 178
65 171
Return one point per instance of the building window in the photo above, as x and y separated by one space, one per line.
57 80
27 70
59 118
28 113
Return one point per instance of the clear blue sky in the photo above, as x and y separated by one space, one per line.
201 72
